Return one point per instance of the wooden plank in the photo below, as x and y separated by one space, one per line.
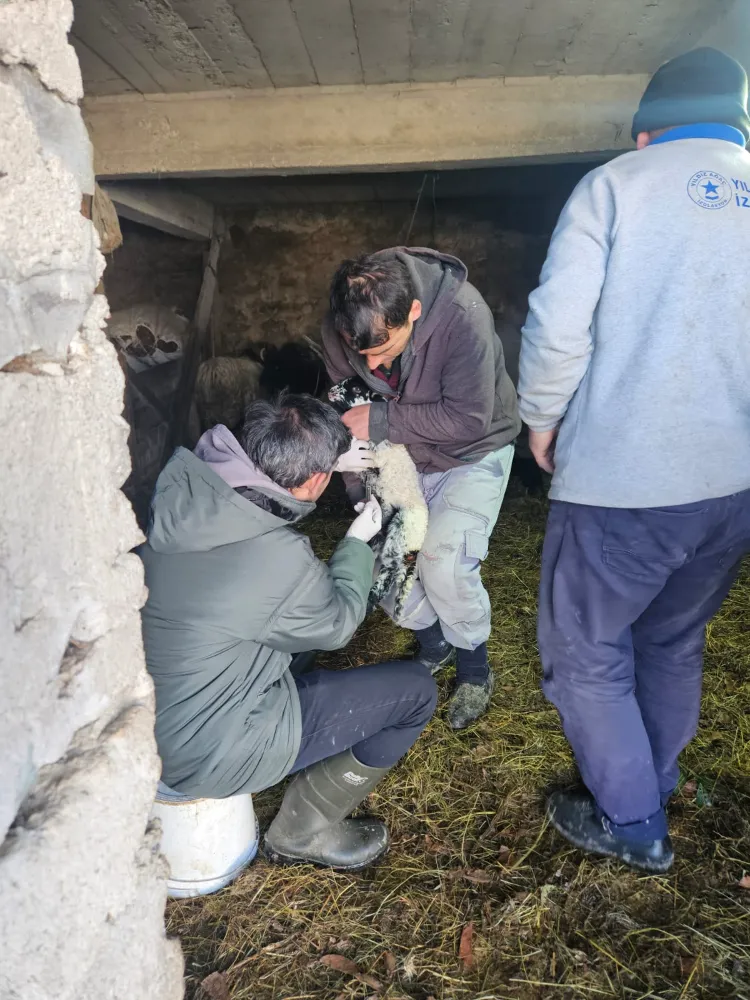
98 76
663 30
274 31
196 348
437 39
597 41
218 29
328 33
491 36
730 30
105 34
547 33
388 127
163 37
383 29
163 207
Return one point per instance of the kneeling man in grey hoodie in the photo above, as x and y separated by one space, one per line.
235 592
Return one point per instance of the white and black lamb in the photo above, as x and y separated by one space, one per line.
395 484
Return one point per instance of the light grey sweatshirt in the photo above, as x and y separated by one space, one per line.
638 338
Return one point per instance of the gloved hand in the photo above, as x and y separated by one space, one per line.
357 459
368 523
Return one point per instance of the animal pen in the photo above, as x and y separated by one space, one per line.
477 897
229 154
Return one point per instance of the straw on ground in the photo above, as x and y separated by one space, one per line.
470 846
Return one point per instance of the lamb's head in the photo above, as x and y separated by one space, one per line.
352 392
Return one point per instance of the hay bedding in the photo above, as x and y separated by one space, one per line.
478 897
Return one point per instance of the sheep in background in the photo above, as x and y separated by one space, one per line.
296 366
225 385
395 484
223 389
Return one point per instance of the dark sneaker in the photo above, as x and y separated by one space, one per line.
469 702
575 816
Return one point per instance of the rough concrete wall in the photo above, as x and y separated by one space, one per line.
154 267
276 268
81 883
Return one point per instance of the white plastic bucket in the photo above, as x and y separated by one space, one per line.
207 842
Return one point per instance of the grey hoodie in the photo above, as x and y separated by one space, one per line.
637 341
234 592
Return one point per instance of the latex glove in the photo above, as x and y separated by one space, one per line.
368 523
357 459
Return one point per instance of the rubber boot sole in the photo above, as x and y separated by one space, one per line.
287 860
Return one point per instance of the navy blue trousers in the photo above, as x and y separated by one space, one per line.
624 601
378 711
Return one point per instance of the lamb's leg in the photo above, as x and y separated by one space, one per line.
387 555
397 567
407 578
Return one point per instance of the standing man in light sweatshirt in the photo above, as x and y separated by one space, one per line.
635 384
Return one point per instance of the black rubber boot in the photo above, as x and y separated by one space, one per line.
575 816
312 826
434 651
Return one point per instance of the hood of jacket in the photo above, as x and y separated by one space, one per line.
196 506
437 278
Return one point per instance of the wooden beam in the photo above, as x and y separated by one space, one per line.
197 345
273 30
327 28
384 36
386 127
437 39
163 207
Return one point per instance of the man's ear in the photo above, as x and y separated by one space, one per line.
313 487
416 311
318 482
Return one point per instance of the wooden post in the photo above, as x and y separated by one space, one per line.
196 348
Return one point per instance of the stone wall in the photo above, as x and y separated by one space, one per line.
277 265
81 882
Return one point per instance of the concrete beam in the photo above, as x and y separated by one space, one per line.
163 207
386 127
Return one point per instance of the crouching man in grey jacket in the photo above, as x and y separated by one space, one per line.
635 384
235 592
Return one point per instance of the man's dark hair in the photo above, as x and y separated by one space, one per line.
368 295
293 437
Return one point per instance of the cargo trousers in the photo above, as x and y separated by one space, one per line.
464 505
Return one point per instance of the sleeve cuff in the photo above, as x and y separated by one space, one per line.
378 422
538 423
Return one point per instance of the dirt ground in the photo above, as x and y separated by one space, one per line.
479 899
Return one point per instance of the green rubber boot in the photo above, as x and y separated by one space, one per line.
313 825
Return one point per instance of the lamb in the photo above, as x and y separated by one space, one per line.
223 388
225 385
395 484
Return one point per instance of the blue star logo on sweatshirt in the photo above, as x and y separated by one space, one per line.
709 189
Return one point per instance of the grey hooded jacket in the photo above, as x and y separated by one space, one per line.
234 592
